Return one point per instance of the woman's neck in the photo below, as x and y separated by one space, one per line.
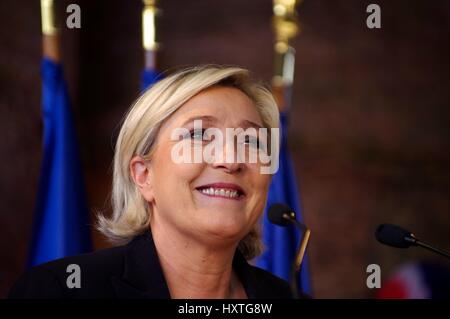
195 270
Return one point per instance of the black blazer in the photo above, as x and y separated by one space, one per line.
130 271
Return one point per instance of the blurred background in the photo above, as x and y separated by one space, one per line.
369 123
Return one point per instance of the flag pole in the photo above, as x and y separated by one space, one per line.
61 215
50 33
286 26
150 46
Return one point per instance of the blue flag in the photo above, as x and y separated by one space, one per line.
61 225
281 243
149 77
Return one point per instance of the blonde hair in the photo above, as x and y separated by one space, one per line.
131 213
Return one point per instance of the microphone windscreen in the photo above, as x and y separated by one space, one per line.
276 212
392 235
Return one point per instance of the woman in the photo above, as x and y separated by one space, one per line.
186 227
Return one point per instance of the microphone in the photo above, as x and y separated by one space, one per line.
398 237
283 215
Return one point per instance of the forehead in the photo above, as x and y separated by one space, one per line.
226 104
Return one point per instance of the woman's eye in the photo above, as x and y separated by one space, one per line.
252 141
197 134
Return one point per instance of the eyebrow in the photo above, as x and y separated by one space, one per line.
251 124
209 118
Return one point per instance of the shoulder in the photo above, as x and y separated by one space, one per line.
50 280
267 285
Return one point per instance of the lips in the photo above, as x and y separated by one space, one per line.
226 190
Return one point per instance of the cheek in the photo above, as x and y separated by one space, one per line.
173 191
260 187
165 169
261 183
174 180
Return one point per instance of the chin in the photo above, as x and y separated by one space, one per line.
224 229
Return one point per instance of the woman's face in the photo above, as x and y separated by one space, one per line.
207 201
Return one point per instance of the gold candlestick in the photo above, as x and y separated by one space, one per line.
50 42
149 13
286 27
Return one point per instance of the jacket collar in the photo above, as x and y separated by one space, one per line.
143 276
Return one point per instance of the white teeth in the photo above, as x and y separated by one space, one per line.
220 192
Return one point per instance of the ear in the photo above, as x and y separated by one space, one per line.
142 177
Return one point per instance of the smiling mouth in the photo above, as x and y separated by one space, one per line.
224 192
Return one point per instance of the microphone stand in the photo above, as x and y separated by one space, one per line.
297 264
416 242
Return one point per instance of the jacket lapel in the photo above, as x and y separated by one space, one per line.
143 276
246 275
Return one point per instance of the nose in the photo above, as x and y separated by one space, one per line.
220 161
228 167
